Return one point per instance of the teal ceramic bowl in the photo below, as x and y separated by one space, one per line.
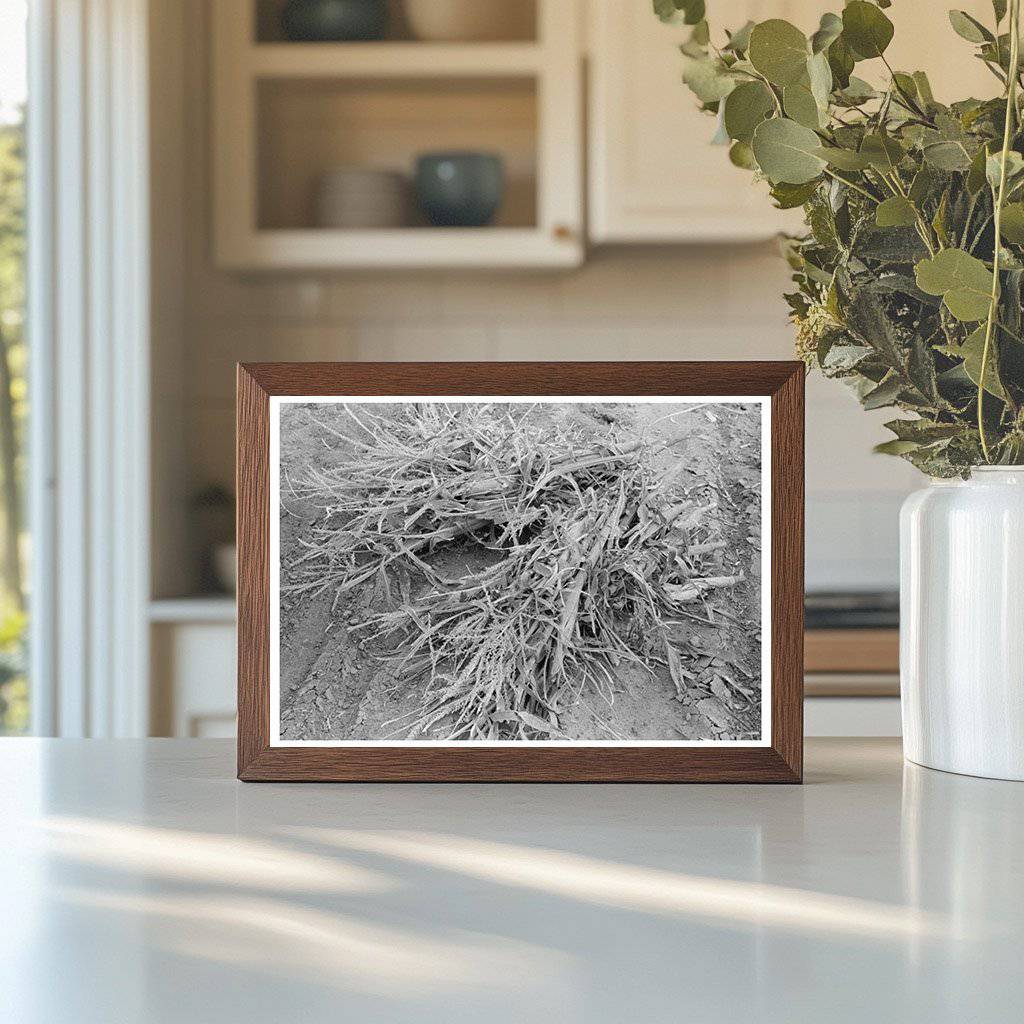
334 21
462 190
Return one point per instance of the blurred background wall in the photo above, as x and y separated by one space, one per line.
706 294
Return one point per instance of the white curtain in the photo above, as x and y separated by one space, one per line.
88 385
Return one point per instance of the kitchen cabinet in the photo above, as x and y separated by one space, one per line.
287 114
194 640
192 645
654 177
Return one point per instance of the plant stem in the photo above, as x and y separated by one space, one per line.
907 99
1012 334
853 185
775 98
980 232
1011 110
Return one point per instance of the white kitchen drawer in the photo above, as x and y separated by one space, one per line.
193 676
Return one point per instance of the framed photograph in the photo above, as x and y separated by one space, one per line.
575 572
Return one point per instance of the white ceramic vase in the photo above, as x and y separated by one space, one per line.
962 624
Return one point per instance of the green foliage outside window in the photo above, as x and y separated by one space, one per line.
13 411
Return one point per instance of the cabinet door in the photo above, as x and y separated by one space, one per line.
925 41
654 176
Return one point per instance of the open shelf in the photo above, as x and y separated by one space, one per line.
309 127
520 23
388 60
406 248
286 114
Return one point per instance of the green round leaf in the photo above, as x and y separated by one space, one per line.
829 30
740 39
1012 224
976 173
905 85
947 156
883 152
666 10
857 91
963 281
693 11
787 152
844 159
920 188
707 79
819 75
895 212
866 29
969 28
741 155
690 12
745 108
840 61
896 447
994 164
788 197
972 351
779 51
924 87
801 106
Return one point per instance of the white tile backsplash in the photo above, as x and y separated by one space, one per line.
435 342
853 539
714 303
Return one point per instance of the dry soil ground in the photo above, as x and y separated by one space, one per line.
335 686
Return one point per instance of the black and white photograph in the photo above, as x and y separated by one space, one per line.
518 571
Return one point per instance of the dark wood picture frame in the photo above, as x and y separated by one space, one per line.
779 761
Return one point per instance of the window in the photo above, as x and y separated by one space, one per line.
14 694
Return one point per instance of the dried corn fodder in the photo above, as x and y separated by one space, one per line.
508 561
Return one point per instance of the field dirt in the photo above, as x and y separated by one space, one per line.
336 686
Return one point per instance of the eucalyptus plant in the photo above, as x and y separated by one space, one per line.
910 278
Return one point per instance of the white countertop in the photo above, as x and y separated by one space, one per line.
140 882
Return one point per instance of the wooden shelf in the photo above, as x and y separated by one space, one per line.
847 684
393 60
318 248
852 650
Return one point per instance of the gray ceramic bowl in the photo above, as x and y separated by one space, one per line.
332 21
460 189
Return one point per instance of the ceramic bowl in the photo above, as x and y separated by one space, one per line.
225 567
470 20
359 197
460 189
333 21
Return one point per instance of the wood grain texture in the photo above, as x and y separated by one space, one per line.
252 486
779 762
852 650
787 627
850 684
